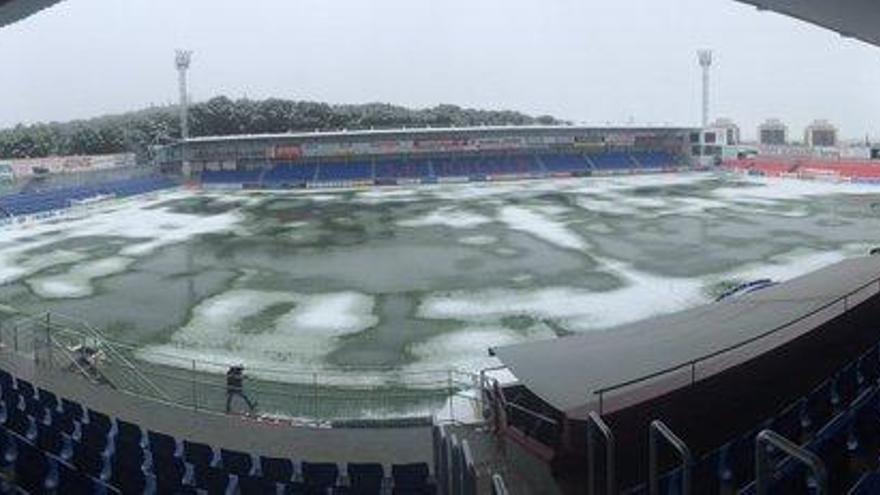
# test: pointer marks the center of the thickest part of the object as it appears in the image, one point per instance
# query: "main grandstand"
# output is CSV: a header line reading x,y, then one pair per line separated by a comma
x,y
408,156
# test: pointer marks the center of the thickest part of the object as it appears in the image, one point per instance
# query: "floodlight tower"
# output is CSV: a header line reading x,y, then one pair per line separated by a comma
x,y
181,61
705,58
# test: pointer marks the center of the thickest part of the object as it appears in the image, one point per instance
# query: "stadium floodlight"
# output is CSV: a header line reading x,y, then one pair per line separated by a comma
x,y
181,61
705,58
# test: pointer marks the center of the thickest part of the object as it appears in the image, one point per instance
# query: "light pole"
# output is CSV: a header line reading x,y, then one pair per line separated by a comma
x,y
181,61
705,58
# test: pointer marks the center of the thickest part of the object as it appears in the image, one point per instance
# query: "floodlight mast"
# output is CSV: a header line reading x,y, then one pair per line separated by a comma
x,y
705,58
181,61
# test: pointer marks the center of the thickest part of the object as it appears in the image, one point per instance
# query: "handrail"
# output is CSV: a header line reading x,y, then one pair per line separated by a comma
x,y
534,414
113,353
693,362
312,395
594,423
657,430
498,486
762,471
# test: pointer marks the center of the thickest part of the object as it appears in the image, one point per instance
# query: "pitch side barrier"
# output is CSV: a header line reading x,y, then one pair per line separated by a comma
x,y
321,397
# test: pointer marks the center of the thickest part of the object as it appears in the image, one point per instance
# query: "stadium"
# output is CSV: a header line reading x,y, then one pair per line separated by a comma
x,y
445,310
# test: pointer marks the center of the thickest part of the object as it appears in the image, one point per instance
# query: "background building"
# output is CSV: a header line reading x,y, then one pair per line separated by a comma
x,y
820,133
773,132
731,130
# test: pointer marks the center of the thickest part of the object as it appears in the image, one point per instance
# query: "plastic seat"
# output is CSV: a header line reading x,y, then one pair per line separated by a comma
x,y
72,409
869,484
256,485
49,439
73,482
276,469
214,480
6,381
19,422
869,367
161,445
198,454
818,406
411,478
95,435
788,422
47,399
128,434
365,478
236,462
25,389
845,387
99,421
130,479
319,476
169,474
706,474
88,460
31,468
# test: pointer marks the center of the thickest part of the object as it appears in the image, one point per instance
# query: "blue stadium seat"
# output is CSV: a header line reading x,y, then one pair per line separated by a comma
x,y
331,172
214,480
48,399
845,387
31,468
564,163
615,160
236,462
169,474
819,408
128,435
95,435
276,469
319,476
198,454
25,389
20,423
162,446
292,173
365,478
413,478
49,439
256,485
869,484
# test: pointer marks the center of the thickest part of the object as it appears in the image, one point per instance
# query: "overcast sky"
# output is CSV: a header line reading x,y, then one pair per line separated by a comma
x,y
590,61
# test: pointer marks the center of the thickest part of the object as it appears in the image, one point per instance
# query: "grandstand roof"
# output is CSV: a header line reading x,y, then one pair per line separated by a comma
x,y
567,372
425,131
851,18
12,11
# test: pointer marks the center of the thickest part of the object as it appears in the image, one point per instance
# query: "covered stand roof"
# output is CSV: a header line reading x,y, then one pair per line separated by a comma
x,y
12,11
667,352
852,18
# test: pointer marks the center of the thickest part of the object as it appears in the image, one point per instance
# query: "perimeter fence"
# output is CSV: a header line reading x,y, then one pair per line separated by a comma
x,y
321,397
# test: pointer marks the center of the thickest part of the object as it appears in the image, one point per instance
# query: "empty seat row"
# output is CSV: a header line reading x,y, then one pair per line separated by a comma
x,y
131,459
839,419
28,203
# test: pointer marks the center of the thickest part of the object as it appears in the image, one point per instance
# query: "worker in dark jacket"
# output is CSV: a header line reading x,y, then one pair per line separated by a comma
x,y
235,387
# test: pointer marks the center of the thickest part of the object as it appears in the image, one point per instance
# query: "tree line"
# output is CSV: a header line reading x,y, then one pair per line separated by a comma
x,y
138,131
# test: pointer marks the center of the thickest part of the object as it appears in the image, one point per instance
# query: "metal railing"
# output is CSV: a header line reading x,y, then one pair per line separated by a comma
x,y
595,423
763,471
692,364
340,396
659,431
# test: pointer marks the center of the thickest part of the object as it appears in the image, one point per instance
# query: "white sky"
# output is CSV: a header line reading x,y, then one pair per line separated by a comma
x,y
588,61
